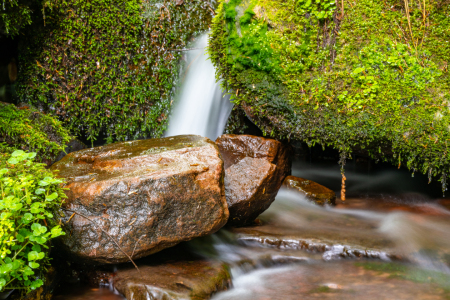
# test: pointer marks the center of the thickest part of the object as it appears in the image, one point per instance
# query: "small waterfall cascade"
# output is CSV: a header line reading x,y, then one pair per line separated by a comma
x,y
201,106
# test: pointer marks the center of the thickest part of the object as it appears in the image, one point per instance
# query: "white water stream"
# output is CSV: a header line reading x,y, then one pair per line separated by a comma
x,y
201,107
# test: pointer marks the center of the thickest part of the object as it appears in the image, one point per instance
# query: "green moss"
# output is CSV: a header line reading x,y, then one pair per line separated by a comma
x,y
364,77
16,14
108,66
28,129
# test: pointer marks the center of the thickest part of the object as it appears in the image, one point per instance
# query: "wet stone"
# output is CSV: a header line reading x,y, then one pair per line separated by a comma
x,y
313,191
175,275
247,187
145,195
255,169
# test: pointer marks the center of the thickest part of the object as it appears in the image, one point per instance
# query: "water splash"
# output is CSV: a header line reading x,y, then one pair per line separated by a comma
x,y
201,108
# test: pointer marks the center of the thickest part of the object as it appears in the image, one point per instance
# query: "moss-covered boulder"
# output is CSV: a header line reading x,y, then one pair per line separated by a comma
x,y
355,75
108,66
28,129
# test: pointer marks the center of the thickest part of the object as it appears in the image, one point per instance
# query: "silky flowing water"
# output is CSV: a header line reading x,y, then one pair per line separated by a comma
x,y
389,240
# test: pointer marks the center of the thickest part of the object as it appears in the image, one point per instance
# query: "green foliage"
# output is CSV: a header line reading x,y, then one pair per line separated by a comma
x,y
371,76
30,130
321,9
16,14
108,66
30,196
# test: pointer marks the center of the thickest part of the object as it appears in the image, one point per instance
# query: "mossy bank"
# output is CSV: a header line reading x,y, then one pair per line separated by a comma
x,y
355,75
108,67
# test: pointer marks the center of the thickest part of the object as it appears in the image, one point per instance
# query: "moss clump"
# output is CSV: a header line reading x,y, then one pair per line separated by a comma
x,y
108,66
16,14
27,129
368,75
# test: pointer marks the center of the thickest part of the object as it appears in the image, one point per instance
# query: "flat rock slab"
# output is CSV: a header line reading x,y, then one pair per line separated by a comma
x,y
255,169
147,195
313,191
178,276
338,280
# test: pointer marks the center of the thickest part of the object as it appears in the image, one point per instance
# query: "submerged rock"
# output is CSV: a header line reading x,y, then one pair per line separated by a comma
x,y
174,275
255,169
145,195
311,190
339,280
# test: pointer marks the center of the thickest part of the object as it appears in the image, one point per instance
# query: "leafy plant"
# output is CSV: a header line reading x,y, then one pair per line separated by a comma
x,y
30,196
322,9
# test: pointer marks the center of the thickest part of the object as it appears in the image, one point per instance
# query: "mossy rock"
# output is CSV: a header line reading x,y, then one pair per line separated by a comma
x,y
362,75
28,129
108,66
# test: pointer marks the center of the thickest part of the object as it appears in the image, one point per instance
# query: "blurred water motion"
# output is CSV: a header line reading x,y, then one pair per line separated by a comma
x,y
201,107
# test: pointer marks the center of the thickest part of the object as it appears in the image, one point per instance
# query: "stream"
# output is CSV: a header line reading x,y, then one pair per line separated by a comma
x,y
390,239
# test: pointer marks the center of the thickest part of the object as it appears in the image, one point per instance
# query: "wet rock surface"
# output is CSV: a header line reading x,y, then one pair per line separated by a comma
x,y
255,168
174,274
337,280
313,191
147,195
234,148
247,188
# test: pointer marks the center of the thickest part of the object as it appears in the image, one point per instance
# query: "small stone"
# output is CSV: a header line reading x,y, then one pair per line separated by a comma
x,y
311,190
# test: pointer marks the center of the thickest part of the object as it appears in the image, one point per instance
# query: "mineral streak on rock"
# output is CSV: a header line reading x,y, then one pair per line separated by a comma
x,y
311,190
147,195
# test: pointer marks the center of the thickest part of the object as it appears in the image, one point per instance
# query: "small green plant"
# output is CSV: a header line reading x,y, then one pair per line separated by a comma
x,y
322,9
30,195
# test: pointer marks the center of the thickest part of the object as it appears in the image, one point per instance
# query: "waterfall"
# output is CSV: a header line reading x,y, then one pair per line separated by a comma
x,y
201,107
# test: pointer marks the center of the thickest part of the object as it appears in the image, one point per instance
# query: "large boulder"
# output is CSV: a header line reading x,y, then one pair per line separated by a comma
x,y
255,169
145,195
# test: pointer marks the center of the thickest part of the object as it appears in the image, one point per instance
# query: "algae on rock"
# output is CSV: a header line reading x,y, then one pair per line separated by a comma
x,y
107,66
355,75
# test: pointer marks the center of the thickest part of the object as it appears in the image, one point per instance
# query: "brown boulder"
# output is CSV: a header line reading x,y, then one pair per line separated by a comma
x,y
255,169
311,190
147,195
234,148
248,186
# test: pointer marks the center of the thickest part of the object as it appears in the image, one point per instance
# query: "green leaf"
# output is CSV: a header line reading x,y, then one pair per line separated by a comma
x,y
39,191
17,153
52,196
13,161
32,255
33,265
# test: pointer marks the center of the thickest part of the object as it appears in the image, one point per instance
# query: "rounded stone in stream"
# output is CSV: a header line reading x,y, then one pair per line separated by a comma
x,y
311,190
182,276
255,169
147,195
